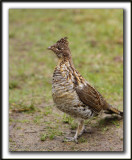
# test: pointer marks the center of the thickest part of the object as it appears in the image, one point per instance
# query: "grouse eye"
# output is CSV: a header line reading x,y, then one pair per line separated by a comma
x,y
59,48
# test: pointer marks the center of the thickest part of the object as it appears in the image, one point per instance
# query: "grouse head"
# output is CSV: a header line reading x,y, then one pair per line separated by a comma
x,y
61,48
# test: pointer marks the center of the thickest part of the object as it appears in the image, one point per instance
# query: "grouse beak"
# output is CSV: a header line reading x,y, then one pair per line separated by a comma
x,y
49,48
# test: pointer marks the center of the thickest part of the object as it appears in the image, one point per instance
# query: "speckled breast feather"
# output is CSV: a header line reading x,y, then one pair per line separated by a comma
x,y
64,93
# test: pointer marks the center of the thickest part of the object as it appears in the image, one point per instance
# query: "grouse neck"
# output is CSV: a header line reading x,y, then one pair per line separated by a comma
x,y
65,60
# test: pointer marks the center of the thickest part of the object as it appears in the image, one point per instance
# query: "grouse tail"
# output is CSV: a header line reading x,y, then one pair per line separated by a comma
x,y
112,110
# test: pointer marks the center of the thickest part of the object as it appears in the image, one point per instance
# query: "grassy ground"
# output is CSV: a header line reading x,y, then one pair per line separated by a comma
x,y
96,42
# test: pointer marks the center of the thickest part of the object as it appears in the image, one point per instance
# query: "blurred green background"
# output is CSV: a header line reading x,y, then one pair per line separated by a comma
x,y
96,43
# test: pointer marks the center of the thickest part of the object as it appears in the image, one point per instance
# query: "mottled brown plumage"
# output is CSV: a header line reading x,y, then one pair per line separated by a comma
x,y
71,93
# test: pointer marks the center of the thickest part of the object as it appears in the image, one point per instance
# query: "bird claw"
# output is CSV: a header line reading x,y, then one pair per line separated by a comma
x,y
70,139
83,131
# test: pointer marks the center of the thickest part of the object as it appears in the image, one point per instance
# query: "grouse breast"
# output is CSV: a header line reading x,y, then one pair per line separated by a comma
x,y
64,93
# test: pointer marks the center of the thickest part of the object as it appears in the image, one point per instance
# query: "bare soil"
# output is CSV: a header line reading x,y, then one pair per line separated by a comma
x,y
105,133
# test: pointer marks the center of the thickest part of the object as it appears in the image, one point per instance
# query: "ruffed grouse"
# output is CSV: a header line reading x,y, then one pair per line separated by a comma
x,y
71,93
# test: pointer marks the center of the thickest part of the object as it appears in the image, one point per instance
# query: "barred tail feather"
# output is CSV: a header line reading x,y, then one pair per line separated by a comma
x,y
111,110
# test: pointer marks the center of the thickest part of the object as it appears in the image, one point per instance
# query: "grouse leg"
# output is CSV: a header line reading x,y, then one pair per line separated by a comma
x,y
79,131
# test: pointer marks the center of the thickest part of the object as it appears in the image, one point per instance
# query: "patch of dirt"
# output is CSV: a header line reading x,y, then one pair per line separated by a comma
x,y
106,133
